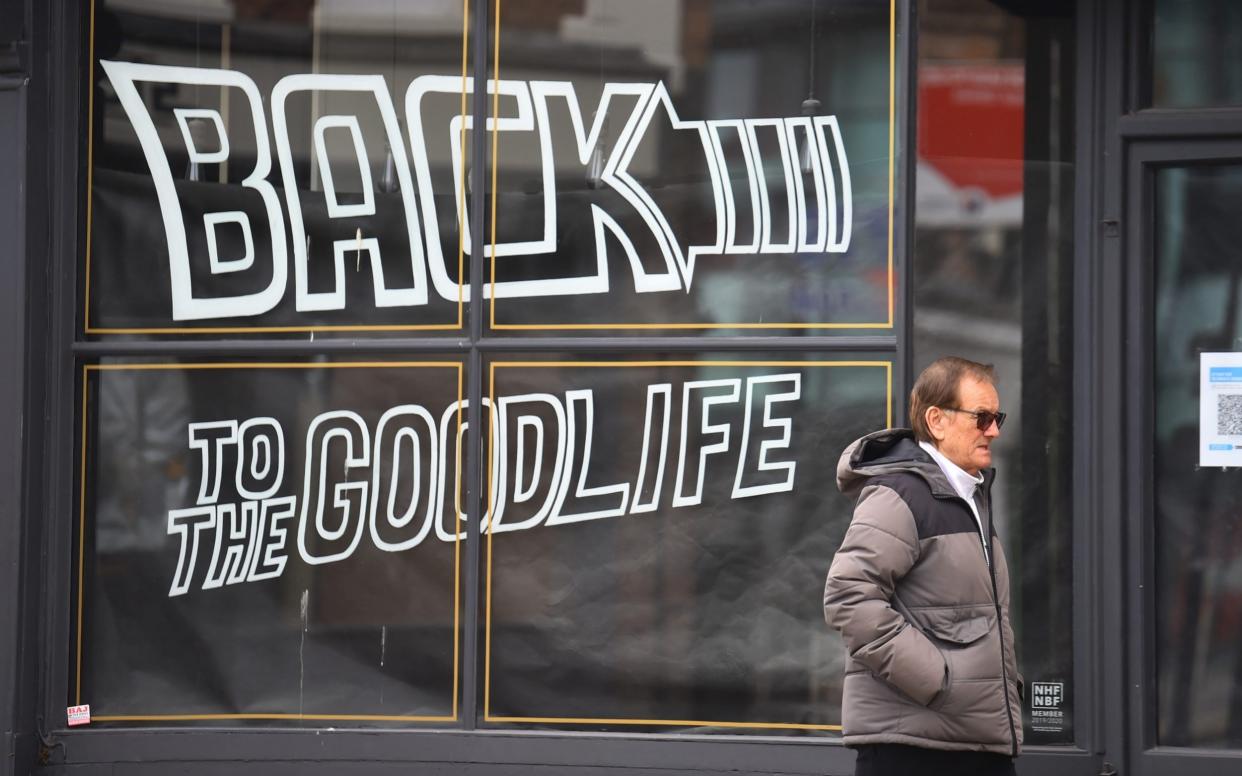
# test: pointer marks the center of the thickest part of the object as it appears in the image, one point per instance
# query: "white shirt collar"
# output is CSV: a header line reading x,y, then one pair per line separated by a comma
x,y
962,481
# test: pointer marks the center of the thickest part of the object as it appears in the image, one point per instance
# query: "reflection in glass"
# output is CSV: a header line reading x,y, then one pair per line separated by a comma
x,y
673,579
1194,57
992,271
268,543
700,164
1198,511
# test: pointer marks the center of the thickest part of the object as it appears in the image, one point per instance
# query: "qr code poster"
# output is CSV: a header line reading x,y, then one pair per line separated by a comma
x,y
1220,409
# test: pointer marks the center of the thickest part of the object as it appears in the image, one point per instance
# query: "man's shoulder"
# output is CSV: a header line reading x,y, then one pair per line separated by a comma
x,y
932,516
912,488
898,492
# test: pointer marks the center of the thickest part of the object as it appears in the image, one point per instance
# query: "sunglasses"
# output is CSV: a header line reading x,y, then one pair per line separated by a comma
x,y
983,418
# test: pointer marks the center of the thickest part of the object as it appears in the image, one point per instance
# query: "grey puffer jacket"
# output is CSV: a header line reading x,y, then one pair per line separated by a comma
x,y
924,617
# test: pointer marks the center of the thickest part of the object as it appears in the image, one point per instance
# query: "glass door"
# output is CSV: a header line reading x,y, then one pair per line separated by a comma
x,y
1184,465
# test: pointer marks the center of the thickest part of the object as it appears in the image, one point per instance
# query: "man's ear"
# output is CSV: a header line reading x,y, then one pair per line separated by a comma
x,y
935,419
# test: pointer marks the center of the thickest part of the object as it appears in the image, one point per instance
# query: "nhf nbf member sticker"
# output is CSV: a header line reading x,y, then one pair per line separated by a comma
x,y
1047,699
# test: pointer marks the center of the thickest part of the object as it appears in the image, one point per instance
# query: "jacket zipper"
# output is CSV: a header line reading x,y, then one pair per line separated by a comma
x,y
1000,629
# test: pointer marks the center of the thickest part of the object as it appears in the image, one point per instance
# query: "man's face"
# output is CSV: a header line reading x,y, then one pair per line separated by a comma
x,y
957,434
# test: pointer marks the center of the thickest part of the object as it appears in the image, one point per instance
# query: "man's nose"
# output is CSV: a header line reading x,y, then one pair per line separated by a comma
x,y
992,431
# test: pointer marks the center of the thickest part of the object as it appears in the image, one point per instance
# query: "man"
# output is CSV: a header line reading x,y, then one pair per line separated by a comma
x,y
919,594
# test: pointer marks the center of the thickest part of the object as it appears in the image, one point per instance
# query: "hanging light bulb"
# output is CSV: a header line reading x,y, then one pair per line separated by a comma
x,y
806,154
388,182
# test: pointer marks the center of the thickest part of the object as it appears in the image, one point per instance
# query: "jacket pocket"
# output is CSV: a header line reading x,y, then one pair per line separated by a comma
x,y
955,626
939,699
965,638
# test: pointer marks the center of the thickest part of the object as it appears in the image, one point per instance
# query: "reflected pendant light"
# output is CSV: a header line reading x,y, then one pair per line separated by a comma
x,y
388,182
595,168
810,106
599,155
197,127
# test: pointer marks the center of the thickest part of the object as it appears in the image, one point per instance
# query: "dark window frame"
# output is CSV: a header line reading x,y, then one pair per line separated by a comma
x,y
1145,158
1136,141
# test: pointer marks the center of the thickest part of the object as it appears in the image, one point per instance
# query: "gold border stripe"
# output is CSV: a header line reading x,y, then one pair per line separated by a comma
x,y
487,616
892,113
276,365
463,225
275,329
665,722
81,596
536,364
326,717
495,159
657,326
888,394
892,277
90,164
192,330
487,659
81,539
457,562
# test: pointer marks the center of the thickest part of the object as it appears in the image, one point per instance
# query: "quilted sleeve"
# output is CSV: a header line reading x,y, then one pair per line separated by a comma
x,y
879,548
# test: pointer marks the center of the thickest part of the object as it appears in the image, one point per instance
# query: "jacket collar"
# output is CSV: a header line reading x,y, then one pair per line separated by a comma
x,y
964,483
895,450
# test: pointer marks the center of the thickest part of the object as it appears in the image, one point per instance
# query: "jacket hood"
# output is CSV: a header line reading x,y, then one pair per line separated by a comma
x,y
888,451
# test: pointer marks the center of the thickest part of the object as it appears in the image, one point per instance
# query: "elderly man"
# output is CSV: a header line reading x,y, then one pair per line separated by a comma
x,y
920,588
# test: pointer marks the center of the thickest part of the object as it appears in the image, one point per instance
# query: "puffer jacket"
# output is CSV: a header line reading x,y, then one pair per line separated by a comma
x,y
924,616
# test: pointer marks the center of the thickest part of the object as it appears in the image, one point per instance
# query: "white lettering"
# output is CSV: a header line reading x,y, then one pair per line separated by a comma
x,y
529,108
546,461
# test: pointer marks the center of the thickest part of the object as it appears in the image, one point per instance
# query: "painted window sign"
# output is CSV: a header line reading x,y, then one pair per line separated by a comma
x,y
209,593
827,165
294,198
225,542
691,600
284,542
309,555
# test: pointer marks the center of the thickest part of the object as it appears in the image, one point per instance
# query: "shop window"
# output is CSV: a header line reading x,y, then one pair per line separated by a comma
x,y
991,281
291,165
720,167
263,542
281,541
675,580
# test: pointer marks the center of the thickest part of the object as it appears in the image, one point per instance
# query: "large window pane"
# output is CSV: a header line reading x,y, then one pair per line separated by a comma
x,y
269,542
723,165
661,533
1194,61
275,167
992,272
1198,510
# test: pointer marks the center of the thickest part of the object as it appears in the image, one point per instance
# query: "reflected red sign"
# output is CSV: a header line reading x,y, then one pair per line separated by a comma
x,y
970,125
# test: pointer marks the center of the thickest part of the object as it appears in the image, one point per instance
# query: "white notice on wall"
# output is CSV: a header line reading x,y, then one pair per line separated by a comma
x,y
1220,409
